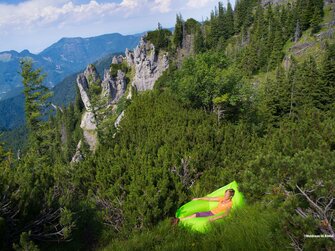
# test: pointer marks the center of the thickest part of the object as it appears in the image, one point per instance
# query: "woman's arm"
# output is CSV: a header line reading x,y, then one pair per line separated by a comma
x,y
208,198
216,218
220,216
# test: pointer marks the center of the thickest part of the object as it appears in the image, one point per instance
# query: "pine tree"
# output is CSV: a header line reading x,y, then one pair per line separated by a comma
x,y
229,24
243,14
238,16
327,87
292,80
316,20
306,11
277,53
36,104
215,31
297,33
259,37
221,19
290,22
199,45
278,96
308,84
179,31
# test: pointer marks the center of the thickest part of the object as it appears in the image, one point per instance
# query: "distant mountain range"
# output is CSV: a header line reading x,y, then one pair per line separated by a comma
x,y
12,109
67,56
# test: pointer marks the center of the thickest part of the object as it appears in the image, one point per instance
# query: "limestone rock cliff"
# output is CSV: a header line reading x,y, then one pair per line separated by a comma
x,y
88,121
78,157
113,88
98,97
149,65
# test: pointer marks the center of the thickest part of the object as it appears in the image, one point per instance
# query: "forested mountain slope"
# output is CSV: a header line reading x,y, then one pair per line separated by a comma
x,y
12,109
242,98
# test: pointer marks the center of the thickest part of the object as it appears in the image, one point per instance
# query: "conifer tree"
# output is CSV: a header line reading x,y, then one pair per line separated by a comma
x,y
215,31
278,96
229,24
308,85
277,54
199,45
327,87
289,21
179,31
36,104
316,20
221,22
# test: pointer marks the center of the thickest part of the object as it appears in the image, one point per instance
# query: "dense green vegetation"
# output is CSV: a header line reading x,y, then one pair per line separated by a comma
x,y
160,38
207,123
257,225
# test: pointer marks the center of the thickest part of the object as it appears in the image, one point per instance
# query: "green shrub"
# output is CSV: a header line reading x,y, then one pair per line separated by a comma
x,y
160,38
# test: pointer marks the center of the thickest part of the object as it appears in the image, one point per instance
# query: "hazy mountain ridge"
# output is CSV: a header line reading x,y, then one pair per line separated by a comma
x,y
12,109
65,57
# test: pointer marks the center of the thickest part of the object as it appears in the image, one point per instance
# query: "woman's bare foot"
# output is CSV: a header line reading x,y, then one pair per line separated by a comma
x,y
174,221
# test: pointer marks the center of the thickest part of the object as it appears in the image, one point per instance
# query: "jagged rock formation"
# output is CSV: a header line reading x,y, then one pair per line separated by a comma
x,y
118,120
113,88
117,60
78,157
88,121
148,64
186,50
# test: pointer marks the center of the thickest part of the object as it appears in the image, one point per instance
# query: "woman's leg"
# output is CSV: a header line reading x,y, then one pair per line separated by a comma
x,y
197,215
189,217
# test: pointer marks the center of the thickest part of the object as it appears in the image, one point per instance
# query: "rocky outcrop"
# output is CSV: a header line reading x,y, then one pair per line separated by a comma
x,y
83,90
300,48
267,2
149,65
117,60
78,157
91,74
88,121
113,88
118,120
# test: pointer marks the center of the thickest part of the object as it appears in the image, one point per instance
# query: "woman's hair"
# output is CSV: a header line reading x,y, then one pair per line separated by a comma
x,y
231,191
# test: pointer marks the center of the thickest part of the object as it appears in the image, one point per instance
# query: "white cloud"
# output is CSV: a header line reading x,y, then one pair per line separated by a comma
x,y
199,3
44,12
132,4
162,6
42,21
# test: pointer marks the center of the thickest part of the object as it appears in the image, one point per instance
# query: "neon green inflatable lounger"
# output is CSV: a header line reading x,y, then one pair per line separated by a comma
x,y
202,224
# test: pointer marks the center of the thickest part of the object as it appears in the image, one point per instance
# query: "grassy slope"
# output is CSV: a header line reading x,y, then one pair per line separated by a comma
x,y
252,228
299,51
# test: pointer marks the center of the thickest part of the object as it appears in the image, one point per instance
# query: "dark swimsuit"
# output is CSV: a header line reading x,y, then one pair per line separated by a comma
x,y
204,214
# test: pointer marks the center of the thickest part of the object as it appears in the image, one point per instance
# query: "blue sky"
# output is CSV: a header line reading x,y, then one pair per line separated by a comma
x,y
36,24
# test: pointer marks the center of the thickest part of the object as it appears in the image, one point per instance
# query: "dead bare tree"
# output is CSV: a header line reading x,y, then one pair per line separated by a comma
x,y
186,174
321,209
45,226
113,216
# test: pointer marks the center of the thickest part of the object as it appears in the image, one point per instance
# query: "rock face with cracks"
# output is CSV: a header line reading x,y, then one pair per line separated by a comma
x,y
88,121
149,65
113,88
110,90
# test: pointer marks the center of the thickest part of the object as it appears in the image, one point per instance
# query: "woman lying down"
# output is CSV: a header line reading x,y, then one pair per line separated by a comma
x,y
225,204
